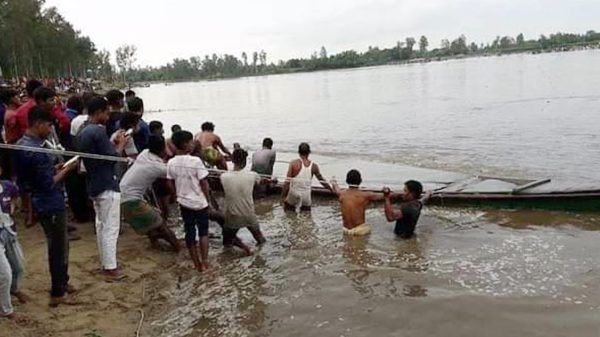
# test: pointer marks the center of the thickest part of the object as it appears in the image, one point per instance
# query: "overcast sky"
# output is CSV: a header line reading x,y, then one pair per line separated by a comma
x,y
165,29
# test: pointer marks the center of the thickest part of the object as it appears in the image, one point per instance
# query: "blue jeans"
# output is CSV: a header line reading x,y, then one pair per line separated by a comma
x,y
192,220
11,269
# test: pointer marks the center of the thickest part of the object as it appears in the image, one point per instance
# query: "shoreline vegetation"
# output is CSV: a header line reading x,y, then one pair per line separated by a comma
x,y
41,43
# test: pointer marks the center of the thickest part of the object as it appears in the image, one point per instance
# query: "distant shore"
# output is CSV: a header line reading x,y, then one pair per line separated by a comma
x,y
533,51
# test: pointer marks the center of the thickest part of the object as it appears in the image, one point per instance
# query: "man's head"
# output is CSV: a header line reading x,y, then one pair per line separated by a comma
x,y
129,94
31,86
208,127
175,128
129,120
40,122
412,190
353,178
239,157
97,108
9,97
115,99
267,143
135,104
156,128
183,141
75,102
156,145
44,98
304,150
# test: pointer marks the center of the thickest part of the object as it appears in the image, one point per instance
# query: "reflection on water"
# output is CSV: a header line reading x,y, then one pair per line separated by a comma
x,y
309,279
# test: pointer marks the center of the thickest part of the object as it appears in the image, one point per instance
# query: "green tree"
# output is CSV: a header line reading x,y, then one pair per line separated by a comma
x,y
423,44
520,40
125,56
323,53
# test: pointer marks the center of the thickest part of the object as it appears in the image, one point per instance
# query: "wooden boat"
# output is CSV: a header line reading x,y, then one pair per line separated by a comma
x,y
509,193
503,193
460,190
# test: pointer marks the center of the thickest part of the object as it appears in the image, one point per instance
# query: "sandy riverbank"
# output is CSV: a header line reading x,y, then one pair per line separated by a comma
x,y
106,309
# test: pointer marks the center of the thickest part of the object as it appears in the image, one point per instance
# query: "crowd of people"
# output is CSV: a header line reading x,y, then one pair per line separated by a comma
x,y
127,170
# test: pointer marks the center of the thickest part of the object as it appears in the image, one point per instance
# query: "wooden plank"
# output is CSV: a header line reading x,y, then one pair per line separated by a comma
x,y
522,188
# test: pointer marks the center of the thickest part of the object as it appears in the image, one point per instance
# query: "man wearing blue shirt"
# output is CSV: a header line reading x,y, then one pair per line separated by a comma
x,y
39,176
103,186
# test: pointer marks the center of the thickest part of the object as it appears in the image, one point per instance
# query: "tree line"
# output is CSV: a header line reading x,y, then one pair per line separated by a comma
x,y
410,49
37,42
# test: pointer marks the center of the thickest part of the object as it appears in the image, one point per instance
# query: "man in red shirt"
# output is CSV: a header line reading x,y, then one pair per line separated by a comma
x,y
16,128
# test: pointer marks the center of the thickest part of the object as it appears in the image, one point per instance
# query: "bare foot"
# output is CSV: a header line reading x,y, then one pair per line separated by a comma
x,y
63,300
22,297
113,275
70,289
20,320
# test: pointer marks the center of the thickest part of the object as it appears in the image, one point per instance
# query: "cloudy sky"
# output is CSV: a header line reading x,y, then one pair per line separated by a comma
x,y
165,29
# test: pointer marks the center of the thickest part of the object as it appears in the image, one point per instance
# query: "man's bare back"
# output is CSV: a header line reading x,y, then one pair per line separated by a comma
x,y
208,139
353,203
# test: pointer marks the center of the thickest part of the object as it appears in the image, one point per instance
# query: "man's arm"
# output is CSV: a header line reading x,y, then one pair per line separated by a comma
x,y
317,173
62,173
222,147
286,184
390,213
335,188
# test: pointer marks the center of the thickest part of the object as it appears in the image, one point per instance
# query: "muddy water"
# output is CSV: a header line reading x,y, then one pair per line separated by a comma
x,y
467,272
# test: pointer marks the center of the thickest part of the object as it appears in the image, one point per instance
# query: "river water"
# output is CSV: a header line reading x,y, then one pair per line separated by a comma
x,y
468,272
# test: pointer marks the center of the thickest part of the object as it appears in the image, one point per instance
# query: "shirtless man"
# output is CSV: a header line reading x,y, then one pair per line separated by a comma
x,y
211,147
297,187
353,203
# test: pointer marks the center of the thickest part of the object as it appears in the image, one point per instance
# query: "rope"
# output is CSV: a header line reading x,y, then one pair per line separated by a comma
x,y
214,173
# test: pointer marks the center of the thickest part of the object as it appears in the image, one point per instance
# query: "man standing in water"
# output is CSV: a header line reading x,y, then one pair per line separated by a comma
x,y
210,144
238,186
297,187
408,215
263,162
353,203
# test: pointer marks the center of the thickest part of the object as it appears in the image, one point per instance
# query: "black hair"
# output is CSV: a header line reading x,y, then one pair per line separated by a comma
x,y
135,104
129,120
268,143
130,93
353,178
114,97
180,138
175,128
7,94
155,126
414,187
75,102
87,96
96,104
31,86
38,115
156,144
239,156
43,94
304,149
208,126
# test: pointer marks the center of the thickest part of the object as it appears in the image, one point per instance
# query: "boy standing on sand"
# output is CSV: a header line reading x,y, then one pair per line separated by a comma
x,y
189,175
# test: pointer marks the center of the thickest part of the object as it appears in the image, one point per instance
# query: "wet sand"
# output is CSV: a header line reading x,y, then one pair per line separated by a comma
x,y
468,273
